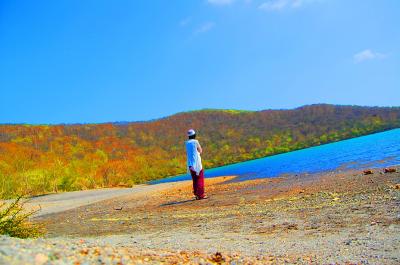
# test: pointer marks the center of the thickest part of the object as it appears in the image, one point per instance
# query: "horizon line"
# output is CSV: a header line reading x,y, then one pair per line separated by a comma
x,y
189,111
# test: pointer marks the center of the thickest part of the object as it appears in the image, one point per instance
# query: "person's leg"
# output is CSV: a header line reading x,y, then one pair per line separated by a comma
x,y
200,184
195,184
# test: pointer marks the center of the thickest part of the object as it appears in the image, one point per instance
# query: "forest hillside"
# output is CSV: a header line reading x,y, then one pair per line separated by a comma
x,y
37,159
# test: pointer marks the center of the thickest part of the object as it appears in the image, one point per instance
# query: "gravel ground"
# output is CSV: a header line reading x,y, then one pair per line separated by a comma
x,y
335,218
119,251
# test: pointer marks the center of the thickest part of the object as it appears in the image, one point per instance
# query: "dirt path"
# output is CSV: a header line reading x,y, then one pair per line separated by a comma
x,y
56,203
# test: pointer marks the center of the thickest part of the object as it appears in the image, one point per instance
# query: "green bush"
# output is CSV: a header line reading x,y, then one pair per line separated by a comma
x,y
14,221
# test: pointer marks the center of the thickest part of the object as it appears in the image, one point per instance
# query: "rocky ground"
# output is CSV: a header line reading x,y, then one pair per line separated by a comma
x,y
334,218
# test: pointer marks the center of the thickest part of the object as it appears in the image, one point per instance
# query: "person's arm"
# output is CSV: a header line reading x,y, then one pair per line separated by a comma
x,y
199,148
190,167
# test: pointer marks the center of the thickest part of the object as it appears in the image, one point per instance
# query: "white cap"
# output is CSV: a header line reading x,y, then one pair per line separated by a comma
x,y
191,132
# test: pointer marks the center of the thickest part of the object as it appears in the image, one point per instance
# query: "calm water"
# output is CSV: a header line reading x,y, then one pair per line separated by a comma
x,y
376,150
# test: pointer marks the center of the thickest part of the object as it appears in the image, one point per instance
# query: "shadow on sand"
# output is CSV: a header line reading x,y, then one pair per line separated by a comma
x,y
177,202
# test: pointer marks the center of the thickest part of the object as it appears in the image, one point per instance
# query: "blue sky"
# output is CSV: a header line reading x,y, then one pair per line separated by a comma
x,y
69,61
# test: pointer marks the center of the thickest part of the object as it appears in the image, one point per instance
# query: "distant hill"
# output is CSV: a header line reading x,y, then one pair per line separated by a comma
x,y
45,158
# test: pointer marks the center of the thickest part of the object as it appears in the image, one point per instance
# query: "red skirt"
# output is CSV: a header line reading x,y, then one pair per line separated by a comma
x,y
198,183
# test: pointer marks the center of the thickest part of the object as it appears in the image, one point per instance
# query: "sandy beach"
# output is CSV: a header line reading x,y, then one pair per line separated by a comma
x,y
333,218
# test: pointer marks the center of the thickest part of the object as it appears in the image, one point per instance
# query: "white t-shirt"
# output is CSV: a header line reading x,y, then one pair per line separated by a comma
x,y
193,156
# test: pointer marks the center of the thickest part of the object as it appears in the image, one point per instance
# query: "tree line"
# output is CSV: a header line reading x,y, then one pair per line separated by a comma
x,y
38,159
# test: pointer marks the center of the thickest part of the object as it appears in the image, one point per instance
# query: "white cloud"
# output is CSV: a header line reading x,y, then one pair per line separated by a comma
x,y
184,22
276,5
273,5
220,2
297,3
205,27
227,2
366,55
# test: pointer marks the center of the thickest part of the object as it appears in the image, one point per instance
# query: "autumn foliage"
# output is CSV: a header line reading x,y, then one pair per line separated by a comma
x,y
37,159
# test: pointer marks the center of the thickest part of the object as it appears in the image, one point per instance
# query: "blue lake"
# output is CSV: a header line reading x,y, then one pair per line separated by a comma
x,y
375,150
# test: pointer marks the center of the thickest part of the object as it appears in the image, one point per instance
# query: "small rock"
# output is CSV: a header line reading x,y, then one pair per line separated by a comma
x,y
118,208
292,227
218,258
84,251
41,259
389,170
368,172
97,252
54,256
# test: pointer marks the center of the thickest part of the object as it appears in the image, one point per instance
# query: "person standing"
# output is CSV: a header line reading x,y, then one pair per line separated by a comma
x,y
195,168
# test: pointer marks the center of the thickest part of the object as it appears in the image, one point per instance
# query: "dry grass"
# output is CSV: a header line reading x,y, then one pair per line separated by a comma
x,y
14,221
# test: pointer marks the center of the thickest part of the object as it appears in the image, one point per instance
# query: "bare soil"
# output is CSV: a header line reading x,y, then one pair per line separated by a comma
x,y
338,217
